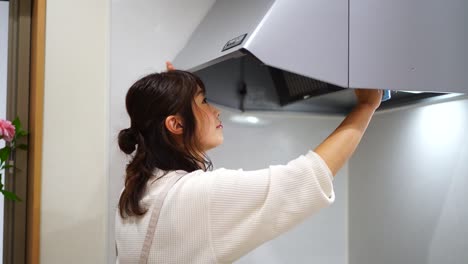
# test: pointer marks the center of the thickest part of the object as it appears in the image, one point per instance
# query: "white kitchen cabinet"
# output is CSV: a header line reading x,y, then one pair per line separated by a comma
x,y
419,45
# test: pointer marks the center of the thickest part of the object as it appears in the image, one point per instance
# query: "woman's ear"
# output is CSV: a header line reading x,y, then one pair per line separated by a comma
x,y
174,125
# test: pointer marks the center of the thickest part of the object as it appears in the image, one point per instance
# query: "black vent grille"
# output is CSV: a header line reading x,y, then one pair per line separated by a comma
x,y
293,87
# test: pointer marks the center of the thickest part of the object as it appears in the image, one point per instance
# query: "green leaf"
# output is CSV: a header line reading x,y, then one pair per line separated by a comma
x,y
10,195
22,146
5,153
21,133
17,124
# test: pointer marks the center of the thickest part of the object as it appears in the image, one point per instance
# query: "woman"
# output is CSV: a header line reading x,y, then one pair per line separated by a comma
x,y
213,216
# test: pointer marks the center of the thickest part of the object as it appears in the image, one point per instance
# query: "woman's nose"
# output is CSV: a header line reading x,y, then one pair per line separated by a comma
x,y
217,112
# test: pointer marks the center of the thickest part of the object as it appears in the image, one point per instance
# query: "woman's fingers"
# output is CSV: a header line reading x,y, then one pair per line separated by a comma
x,y
169,66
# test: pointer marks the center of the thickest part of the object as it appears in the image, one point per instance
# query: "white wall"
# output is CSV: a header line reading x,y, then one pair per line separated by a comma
x,y
408,187
4,10
75,157
279,138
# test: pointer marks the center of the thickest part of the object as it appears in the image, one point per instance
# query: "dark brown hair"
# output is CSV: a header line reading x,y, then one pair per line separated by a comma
x,y
149,101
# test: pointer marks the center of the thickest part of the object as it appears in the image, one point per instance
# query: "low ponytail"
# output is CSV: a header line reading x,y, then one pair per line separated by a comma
x,y
137,172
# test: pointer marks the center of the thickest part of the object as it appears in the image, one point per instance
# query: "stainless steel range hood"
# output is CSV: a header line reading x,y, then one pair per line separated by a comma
x,y
279,55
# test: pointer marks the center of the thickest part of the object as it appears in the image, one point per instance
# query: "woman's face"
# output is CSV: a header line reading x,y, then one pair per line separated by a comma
x,y
209,128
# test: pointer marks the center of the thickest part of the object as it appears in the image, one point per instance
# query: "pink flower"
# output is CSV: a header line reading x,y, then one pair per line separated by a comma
x,y
7,130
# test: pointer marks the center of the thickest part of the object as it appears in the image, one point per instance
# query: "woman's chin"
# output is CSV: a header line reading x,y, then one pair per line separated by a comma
x,y
215,144
220,140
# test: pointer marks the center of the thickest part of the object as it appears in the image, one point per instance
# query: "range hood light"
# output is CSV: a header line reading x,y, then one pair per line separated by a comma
x,y
245,119
252,119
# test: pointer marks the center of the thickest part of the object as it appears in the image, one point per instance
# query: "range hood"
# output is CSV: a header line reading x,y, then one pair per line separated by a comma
x,y
281,55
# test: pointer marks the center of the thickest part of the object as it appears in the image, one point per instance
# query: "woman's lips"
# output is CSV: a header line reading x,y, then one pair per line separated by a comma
x,y
220,126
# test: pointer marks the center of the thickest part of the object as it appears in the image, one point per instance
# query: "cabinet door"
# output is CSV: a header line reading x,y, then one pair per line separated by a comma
x,y
419,45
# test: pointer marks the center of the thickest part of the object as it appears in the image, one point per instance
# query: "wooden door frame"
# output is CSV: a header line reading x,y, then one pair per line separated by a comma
x,y
36,120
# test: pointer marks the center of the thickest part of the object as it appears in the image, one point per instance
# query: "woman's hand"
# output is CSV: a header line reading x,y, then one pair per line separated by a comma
x,y
369,97
169,66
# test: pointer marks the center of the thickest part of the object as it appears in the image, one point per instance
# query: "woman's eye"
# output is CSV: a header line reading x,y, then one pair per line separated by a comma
x,y
205,101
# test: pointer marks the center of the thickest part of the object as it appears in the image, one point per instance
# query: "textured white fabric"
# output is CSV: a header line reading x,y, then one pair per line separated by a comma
x,y
219,216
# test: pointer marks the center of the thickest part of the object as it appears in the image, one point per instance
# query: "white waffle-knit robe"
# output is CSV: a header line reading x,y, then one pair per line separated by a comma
x,y
221,215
